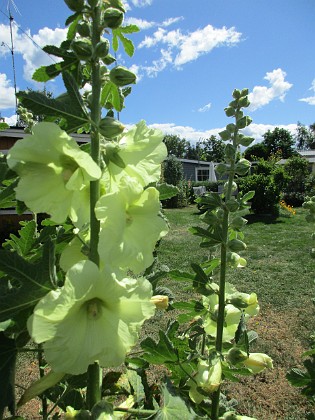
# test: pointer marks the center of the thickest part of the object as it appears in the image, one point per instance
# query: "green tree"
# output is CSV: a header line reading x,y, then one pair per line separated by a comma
x,y
213,149
305,137
255,152
279,140
175,145
173,173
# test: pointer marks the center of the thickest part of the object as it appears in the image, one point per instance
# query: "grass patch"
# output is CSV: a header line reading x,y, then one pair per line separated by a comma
x,y
281,272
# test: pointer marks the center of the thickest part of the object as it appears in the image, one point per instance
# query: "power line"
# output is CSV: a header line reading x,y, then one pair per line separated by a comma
x,y
28,36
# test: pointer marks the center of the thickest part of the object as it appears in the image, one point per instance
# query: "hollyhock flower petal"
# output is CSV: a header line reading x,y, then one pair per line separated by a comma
x,y
93,317
130,226
208,378
54,173
142,150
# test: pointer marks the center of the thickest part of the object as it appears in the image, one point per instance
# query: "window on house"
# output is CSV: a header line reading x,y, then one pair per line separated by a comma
x,y
202,174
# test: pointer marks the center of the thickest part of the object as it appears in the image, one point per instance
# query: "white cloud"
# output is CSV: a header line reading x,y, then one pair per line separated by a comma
x,y
141,3
11,121
7,94
262,95
33,56
205,108
184,48
145,24
310,99
193,135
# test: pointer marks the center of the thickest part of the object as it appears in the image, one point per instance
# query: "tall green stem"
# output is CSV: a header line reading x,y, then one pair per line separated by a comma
x,y
223,267
94,371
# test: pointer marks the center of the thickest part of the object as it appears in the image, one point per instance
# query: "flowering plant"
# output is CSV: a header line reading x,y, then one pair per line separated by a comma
x,y
82,285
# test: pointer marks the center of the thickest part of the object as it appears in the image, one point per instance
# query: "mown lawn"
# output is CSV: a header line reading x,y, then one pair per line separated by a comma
x,y
281,272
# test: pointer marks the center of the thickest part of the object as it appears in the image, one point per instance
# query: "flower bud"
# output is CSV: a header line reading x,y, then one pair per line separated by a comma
x,y
117,4
75,5
244,102
242,166
235,260
229,111
236,245
236,94
238,223
83,29
243,122
110,127
222,168
93,3
208,379
232,205
236,356
108,60
244,92
82,49
160,301
113,18
121,76
102,49
244,140
243,300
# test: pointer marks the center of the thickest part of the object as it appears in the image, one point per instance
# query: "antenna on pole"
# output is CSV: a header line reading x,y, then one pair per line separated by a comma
x,y
12,52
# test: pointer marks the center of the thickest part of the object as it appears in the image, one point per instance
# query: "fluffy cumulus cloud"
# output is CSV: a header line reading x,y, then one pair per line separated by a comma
x,y
310,99
263,95
181,48
193,135
7,94
29,46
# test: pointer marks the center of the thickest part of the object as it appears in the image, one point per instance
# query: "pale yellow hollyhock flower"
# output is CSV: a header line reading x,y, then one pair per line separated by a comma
x,y
208,378
142,151
130,226
231,415
54,173
93,317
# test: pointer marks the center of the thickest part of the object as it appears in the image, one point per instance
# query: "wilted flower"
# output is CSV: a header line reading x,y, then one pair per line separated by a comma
x,y
208,378
93,317
130,226
54,173
160,301
256,362
142,151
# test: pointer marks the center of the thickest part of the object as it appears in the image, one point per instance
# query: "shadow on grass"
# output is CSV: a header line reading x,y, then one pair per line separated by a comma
x,y
268,219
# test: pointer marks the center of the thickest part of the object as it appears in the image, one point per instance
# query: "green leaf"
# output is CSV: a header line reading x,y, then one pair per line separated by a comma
x,y
72,27
129,29
8,353
46,73
39,104
126,43
173,408
248,196
161,352
35,280
59,52
136,384
102,407
166,191
74,94
7,195
298,377
26,240
181,275
4,126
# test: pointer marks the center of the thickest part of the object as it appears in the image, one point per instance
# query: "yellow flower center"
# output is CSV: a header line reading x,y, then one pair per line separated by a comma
x,y
94,308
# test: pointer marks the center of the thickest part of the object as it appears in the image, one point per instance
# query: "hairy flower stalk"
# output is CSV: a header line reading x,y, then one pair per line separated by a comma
x,y
231,158
94,371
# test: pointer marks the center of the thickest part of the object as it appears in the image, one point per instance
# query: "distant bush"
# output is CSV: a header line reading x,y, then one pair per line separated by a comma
x,y
173,173
294,198
267,193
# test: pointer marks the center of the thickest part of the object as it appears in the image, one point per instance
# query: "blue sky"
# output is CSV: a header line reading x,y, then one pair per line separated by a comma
x,y
189,57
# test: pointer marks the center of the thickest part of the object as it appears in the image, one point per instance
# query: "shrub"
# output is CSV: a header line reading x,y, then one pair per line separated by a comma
x,y
267,193
173,173
294,198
